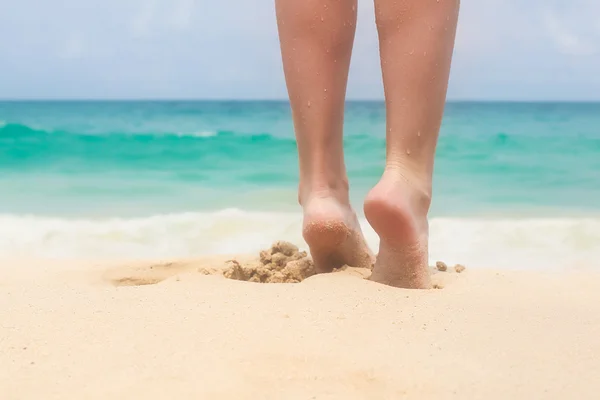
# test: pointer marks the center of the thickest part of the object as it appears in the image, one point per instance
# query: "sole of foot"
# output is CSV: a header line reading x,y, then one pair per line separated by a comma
x,y
398,214
334,236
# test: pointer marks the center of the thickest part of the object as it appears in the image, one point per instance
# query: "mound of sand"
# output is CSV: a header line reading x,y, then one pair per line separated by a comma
x,y
281,263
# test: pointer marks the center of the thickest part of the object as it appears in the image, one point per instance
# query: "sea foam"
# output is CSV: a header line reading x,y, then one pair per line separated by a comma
x,y
499,243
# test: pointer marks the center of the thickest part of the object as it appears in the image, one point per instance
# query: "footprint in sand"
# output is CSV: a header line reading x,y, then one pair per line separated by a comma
x,y
148,274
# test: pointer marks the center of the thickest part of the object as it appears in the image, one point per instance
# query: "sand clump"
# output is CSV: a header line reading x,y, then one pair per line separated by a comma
x,y
443,267
281,263
459,268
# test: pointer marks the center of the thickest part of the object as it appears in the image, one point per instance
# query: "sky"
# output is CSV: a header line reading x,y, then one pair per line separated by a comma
x,y
228,49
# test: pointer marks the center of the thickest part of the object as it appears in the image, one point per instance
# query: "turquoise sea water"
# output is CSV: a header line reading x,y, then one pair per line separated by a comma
x,y
121,158
137,162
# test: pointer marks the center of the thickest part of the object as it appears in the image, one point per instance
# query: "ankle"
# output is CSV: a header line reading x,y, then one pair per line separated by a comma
x,y
319,189
412,187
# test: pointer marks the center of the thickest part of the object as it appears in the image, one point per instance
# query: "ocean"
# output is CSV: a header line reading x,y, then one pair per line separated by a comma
x,y
517,185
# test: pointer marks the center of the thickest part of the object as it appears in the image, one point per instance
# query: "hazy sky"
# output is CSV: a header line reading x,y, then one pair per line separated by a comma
x,y
506,49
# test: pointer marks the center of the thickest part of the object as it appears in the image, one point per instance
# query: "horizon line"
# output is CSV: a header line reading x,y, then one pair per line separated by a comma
x,y
199,99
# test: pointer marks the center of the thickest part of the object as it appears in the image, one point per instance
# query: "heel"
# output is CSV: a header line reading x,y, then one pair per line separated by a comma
x,y
325,234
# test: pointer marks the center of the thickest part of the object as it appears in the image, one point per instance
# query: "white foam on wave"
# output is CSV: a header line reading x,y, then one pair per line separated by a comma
x,y
505,243
200,134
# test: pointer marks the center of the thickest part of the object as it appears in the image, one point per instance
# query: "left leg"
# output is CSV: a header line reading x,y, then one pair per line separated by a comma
x,y
316,44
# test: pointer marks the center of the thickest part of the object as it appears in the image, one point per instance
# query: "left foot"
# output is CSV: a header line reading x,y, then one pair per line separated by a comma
x,y
333,234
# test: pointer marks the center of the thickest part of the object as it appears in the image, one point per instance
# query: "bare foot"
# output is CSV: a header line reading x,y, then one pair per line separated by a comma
x,y
398,213
333,235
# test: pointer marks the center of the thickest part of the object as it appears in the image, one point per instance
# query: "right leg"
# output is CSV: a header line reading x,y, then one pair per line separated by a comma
x,y
316,44
416,39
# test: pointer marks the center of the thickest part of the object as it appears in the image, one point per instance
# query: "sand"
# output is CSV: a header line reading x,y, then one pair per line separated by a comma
x,y
179,329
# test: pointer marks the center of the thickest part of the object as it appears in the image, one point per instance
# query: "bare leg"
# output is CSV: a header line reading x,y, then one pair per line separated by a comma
x,y
316,43
416,40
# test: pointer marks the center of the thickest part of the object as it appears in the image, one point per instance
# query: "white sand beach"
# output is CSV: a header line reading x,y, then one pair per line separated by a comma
x,y
164,329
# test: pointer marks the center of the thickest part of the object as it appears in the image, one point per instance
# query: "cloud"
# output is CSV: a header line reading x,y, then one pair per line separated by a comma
x,y
566,39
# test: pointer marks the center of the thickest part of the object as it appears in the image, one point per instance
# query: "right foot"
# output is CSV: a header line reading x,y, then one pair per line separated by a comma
x,y
398,213
333,235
